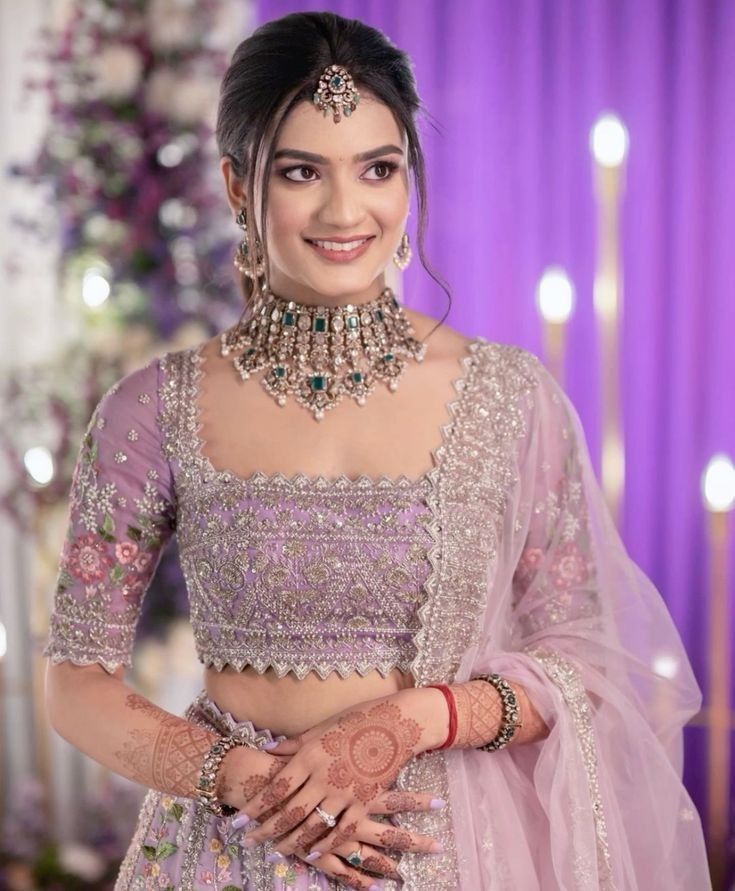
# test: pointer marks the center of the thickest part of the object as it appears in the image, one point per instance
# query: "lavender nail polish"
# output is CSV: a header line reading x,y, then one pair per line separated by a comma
x,y
437,803
374,887
240,820
271,744
275,857
313,856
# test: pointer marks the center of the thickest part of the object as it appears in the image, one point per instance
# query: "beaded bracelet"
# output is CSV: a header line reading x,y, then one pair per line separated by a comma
x,y
205,788
511,713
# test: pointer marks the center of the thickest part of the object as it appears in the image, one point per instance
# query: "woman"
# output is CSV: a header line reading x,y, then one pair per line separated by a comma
x,y
421,596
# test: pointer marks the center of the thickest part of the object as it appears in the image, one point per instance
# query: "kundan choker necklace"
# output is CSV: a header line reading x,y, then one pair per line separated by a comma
x,y
319,354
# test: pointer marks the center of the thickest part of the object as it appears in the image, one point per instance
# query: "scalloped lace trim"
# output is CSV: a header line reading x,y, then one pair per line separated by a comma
x,y
343,668
76,658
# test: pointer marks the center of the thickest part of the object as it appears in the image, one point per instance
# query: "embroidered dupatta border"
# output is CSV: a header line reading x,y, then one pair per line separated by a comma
x,y
468,501
567,678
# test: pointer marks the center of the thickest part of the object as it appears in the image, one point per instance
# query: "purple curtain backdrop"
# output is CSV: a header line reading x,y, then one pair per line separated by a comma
x,y
516,88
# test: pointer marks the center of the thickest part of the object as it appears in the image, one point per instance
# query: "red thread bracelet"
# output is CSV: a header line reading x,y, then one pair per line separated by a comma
x,y
449,696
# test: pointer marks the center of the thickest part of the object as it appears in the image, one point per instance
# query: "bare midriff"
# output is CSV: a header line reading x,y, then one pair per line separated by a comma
x,y
289,705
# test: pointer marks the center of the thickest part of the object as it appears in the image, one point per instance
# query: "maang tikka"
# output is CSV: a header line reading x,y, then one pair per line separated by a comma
x,y
319,354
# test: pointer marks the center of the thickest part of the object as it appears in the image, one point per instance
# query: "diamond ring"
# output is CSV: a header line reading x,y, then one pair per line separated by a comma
x,y
327,818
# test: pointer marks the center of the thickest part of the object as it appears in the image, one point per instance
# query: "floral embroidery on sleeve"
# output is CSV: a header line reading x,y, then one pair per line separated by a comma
x,y
121,513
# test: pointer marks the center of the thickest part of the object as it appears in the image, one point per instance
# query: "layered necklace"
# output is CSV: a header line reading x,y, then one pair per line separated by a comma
x,y
319,354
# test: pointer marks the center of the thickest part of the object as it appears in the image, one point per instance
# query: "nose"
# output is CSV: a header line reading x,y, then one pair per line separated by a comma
x,y
342,207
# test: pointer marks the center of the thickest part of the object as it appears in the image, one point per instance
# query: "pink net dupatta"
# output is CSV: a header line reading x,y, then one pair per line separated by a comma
x,y
599,803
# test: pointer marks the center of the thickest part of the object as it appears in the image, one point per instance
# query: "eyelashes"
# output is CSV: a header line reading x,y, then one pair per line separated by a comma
x,y
392,167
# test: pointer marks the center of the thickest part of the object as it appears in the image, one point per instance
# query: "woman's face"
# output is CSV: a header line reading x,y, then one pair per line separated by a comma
x,y
319,188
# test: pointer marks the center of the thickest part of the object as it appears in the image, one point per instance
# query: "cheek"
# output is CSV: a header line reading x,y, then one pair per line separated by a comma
x,y
390,207
286,216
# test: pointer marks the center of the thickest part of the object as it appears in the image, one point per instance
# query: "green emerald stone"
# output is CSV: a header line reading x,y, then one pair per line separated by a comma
x,y
249,351
378,314
352,321
320,324
347,111
279,371
356,376
395,302
318,382
388,357
289,319
335,82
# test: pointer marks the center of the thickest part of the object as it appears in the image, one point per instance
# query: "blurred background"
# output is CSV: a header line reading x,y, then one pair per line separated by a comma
x,y
581,168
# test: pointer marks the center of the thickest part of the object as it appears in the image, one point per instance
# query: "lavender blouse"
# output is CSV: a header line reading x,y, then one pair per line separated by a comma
x,y
295,574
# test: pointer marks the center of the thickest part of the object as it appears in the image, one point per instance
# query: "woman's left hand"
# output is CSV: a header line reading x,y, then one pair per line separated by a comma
x,y
342,765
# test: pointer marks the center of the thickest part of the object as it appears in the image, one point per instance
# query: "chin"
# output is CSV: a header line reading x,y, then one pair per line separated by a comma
x,y
342,285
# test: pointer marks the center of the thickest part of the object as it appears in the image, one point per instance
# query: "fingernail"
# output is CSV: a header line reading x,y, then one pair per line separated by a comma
x,y
271,744
436,847
250,842
374,888
313,856
240,820
437,803
274,857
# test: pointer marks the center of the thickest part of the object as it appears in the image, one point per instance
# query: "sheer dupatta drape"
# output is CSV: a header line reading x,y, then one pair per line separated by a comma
x,y
599,803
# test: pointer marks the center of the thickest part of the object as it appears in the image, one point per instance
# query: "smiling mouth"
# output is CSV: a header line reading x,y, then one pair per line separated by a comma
x,y
339,246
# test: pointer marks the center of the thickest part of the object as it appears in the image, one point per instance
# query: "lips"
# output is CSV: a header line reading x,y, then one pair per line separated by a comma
x,y
341,255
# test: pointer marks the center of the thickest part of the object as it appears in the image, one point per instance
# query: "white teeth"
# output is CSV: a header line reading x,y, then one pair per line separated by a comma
x,y
336,246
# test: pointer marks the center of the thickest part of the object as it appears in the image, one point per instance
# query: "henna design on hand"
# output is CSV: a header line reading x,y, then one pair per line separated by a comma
x,y
479,713
368,748
395,838
277,792
256,782
345,834
309,834
288,819
380,864
401,801
170,758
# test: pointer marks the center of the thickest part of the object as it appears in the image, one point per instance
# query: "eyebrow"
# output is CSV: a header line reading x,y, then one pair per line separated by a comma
x,y
320,159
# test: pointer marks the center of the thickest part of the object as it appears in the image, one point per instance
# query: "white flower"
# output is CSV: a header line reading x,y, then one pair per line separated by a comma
x,y
170,24
116,72
184,98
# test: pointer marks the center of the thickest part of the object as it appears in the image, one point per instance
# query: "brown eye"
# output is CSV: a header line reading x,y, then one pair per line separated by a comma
x,y
300,169
389,166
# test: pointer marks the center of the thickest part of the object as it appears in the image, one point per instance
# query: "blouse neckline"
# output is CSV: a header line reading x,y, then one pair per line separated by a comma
x,y
299,480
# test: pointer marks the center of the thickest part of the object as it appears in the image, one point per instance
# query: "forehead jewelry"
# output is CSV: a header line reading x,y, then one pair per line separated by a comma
x,y
336,90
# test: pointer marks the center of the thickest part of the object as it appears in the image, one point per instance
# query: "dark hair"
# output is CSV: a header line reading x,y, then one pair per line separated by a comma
x,y
279,66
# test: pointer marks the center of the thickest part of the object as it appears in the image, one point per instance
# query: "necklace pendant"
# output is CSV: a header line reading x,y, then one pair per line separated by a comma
x,y
319,354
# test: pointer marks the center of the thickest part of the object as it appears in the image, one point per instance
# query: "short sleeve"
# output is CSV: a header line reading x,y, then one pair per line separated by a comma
x,y
122,512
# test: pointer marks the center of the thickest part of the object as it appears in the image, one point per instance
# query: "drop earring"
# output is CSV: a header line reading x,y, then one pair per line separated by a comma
x,y
242,255
402,256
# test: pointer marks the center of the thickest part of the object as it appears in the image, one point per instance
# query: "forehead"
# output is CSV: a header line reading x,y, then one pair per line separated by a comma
x,y
370,125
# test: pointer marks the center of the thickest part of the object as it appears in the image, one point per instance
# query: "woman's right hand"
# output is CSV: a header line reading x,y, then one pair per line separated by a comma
x,y
245,771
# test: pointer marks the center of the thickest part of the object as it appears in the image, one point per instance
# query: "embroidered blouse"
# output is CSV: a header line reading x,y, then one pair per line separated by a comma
x,y
293,573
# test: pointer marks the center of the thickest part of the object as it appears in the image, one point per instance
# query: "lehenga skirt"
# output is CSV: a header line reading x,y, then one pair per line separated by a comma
x,y
178,845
